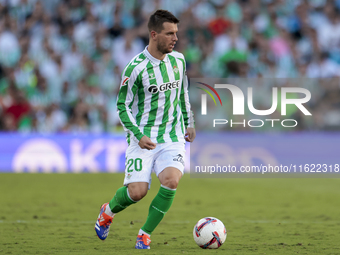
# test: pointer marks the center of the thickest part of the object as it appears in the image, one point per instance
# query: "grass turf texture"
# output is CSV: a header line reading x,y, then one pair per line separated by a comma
x,y
56,213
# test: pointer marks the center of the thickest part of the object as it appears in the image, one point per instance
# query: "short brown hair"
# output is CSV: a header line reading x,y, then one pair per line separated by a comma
x,y
157,19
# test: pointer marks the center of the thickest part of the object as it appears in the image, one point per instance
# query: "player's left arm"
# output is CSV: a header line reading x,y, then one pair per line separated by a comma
x,y
188,115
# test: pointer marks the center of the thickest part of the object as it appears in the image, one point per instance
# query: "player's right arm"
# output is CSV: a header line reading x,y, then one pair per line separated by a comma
x,y
126,95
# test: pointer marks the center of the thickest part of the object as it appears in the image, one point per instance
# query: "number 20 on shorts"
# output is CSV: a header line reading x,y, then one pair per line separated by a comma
x,y
134,164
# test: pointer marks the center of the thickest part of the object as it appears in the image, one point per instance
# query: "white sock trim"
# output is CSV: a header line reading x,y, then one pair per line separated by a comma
x,y
165,187
108,211
141,232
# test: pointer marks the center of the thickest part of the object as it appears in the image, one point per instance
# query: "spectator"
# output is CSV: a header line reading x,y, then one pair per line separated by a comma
x,y
61,61
17,110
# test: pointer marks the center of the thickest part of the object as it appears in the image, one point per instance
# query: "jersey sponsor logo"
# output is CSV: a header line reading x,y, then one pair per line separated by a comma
x,y
169,86
125,81
153,89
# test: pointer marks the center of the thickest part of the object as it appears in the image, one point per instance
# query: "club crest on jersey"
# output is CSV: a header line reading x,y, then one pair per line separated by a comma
x,y
153,89
125,81
176,70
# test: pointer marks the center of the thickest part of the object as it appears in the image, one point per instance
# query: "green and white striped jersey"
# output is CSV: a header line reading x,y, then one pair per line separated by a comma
x,y
153,99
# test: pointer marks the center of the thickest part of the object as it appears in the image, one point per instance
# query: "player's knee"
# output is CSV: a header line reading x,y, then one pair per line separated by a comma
x,y
171,183
137,194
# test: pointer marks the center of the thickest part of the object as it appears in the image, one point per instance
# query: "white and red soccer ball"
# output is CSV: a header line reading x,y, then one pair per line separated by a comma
x,y
209,233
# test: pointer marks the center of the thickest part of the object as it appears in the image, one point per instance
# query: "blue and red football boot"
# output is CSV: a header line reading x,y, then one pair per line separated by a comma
x,y
143,242
103,223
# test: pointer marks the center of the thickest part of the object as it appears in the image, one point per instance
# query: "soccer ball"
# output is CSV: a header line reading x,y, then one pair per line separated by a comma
x,y
209,233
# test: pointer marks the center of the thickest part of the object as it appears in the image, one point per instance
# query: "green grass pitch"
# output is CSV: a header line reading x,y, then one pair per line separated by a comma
x,y
56,213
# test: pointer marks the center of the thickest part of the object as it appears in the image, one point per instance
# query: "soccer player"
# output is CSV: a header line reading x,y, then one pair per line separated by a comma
x,y
153,106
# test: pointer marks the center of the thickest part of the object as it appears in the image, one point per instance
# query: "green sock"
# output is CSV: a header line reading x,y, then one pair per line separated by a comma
x,y
120,200
158,208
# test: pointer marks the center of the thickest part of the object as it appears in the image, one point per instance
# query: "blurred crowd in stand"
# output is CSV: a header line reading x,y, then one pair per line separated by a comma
x,y
61,61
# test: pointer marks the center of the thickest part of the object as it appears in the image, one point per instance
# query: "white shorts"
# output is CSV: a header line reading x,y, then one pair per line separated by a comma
x,y
139,162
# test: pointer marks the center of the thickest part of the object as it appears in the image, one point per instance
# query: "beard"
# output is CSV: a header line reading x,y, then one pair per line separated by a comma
x,y
162,48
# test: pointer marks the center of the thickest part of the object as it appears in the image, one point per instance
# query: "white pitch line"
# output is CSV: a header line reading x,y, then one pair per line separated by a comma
x,y
168,222
72,222
286,222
